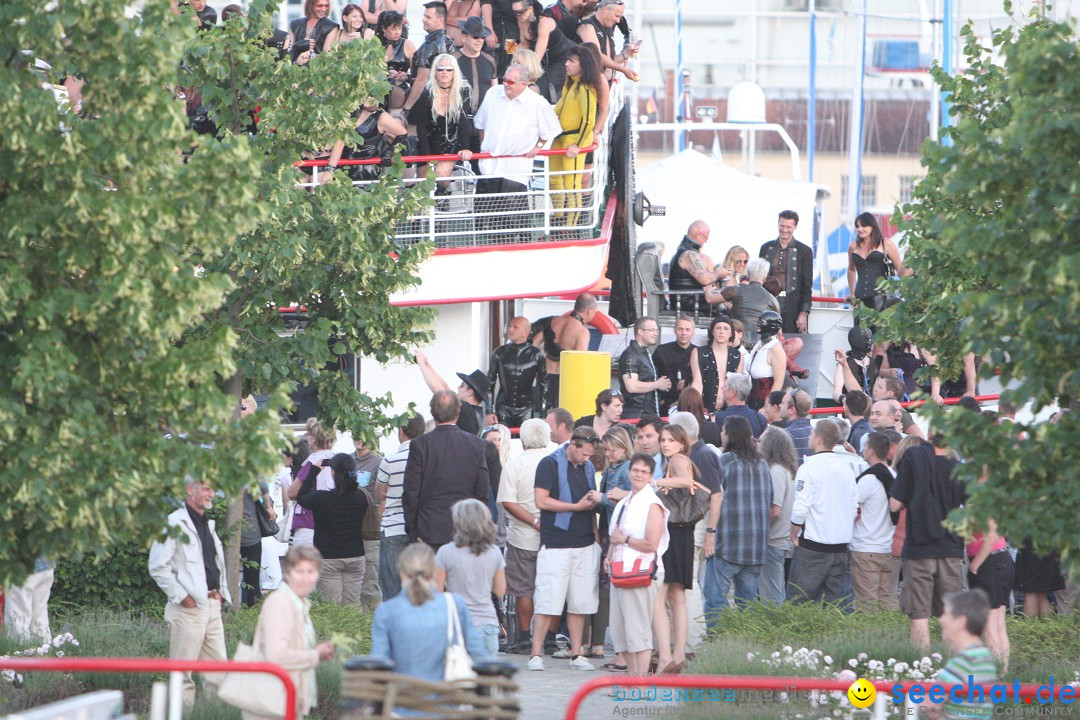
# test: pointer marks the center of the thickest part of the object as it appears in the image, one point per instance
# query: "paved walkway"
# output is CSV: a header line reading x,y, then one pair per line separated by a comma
x,y
545,695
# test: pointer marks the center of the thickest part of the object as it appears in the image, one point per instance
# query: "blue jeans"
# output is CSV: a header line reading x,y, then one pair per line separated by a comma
x,y
390,549
771,585
490,635
719,577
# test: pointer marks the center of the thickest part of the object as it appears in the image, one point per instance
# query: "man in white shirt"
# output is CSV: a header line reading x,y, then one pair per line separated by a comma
x,y
822,520
389,482
516,495
516,122
874,571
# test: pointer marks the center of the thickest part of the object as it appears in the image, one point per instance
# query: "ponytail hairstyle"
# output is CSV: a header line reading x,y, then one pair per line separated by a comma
x,y
417,566
343,467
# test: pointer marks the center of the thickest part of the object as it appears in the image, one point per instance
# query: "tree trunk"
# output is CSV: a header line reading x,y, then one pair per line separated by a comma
x,y
235,514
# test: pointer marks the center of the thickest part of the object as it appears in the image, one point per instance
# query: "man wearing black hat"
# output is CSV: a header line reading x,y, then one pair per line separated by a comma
x,y
476,66
436,43
472,391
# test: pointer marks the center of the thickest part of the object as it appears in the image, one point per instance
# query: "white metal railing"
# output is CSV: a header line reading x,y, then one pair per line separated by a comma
x,y
460,216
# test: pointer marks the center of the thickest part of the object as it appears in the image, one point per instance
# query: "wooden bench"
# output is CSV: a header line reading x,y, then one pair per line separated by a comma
x,y
371,689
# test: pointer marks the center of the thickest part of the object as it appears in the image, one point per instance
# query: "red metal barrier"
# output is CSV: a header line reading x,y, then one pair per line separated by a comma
x,y
744,682
151,665
909,404
435,158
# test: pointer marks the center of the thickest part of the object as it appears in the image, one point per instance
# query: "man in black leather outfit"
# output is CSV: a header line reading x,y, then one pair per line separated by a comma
x,y
520,370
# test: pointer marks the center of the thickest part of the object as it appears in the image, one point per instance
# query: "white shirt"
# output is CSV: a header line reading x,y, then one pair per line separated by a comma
x,y
873,528
513,127
826,499
517,484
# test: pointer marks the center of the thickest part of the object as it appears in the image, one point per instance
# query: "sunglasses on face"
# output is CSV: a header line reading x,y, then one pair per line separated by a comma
x,y
444,69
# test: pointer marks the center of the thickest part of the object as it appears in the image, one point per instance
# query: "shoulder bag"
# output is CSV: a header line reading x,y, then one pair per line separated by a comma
x,y
267,527
458,665
639,573
687,505
257,693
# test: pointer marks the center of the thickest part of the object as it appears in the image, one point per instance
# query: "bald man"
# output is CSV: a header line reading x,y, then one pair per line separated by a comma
x,y
885,415
691,269
518,375
566,332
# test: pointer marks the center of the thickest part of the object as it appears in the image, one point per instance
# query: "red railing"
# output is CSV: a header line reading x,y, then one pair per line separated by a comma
x,y
742,682
153,665
322,162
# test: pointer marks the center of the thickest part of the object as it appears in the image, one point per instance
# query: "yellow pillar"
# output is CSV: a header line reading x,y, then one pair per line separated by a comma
x,y
582,375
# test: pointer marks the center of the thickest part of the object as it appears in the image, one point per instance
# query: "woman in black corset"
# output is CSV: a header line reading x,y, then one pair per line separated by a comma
x,y
316,26
399,54
376,133
711,363
871,257
540,34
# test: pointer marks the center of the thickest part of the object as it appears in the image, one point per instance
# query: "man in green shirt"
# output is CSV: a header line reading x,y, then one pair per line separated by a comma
x,y
972,663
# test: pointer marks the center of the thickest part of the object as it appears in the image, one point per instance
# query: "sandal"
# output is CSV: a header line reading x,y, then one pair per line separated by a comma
x,y
614,666
596,652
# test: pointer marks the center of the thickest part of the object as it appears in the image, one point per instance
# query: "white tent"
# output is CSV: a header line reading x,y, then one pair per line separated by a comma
x,y
740,209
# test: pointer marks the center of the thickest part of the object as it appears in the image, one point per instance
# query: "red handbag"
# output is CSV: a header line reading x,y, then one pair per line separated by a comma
x,y
633,575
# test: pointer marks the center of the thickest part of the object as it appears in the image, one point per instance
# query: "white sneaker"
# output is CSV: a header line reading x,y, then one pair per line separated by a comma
x,y
535,663
580,663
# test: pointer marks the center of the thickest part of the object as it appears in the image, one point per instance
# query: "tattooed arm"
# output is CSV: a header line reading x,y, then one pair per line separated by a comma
x,y
691,262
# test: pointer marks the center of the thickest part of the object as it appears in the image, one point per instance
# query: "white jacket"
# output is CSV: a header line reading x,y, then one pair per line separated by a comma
x,y
826,499
177,566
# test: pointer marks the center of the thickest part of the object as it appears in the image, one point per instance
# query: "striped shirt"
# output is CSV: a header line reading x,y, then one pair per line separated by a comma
x,y
974,664
800,429
392,475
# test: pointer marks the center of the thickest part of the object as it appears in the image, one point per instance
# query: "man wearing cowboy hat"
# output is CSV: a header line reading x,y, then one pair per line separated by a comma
x,y
476,66
471,392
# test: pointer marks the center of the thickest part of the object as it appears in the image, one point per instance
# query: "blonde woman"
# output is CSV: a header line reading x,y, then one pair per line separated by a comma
x,y
319,442
735,262
410,628
284,633
528,60
442,125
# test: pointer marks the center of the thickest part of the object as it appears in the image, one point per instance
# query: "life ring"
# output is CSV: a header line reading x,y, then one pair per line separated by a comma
x,y
603,323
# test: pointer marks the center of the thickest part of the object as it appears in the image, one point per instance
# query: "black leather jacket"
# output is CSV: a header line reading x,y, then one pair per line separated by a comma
x,y
522,381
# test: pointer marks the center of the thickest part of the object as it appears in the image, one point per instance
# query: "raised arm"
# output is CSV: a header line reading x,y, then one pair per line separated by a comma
x,y
433,379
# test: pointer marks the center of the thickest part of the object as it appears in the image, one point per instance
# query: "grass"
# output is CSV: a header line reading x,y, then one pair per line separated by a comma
x,y
116,633
1041,649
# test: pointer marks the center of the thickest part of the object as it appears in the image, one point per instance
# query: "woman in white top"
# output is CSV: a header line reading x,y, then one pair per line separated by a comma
x,y
768,362
639,529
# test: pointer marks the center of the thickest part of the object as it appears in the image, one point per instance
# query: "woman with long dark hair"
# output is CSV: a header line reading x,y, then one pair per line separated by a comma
x,y
353,26
737,536
399,55
577,112
871,257
339,513
679,472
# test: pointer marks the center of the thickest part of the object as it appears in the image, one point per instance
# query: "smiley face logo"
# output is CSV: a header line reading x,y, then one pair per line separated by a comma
x,y
861,693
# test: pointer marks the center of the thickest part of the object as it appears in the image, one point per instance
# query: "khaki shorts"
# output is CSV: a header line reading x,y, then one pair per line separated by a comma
x,y
570,576
520,571
926,582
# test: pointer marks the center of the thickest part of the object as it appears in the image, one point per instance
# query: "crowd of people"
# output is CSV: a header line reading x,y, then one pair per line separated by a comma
x,y
506,77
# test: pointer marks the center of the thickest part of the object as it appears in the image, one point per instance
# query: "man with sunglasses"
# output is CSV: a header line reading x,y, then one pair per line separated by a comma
x,y
476,65
514,124
436,43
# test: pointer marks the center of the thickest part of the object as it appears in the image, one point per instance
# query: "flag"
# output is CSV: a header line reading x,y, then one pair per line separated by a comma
x,y
651,106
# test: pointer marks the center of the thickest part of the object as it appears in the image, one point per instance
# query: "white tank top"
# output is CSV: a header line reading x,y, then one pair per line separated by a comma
x,y
759,359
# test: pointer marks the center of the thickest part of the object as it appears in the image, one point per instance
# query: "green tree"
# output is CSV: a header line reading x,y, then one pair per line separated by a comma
x,y
139,290
993,235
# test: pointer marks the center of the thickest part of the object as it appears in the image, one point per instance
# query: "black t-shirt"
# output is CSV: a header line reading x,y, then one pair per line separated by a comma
x,y
470,418
503,18
924,483
673,362
580,533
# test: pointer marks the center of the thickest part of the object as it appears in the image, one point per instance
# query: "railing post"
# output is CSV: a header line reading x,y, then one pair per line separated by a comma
x,y
159,699
545,195
176,695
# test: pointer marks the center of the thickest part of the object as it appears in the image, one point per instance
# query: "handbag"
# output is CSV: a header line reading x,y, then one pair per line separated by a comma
x,y
458,665
257,693
634,575
267,527
285,528
687,505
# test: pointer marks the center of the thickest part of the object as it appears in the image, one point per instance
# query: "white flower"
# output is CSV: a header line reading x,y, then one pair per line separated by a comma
x,y
776,656
862,657
846,675
890,661
749,657
828,660
899,667
853,663
936,656
787,649
59,653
